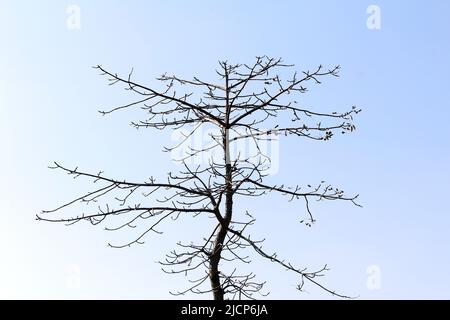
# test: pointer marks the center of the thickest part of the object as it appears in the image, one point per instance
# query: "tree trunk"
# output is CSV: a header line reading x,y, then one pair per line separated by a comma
x,y
218,291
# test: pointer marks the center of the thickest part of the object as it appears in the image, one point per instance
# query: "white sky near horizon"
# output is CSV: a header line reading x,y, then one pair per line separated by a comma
x,y
397,160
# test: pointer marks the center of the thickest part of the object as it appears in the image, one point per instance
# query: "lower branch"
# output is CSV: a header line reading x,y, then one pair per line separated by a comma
x,y
309,276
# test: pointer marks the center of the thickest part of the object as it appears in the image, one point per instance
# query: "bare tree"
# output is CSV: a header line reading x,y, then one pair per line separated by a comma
x,y
248,97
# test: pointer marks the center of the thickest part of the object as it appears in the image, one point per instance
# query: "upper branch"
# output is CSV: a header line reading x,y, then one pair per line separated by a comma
x,y
294,85
166,98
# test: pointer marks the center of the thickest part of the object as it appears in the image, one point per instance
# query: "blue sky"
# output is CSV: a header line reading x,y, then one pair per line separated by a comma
x,y
397,160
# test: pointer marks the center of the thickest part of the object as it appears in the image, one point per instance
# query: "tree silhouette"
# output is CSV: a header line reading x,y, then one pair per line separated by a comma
x,y
248,97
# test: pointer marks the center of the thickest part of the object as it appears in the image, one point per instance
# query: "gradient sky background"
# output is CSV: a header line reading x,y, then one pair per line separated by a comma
x,y
397,160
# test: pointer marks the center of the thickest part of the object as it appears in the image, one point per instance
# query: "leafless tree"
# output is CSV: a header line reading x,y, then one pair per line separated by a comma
x,y
247,97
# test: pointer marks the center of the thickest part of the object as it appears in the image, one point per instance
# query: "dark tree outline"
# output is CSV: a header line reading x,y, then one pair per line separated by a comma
x,y
212,189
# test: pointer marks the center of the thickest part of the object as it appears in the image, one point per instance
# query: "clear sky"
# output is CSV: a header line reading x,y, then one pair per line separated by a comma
x,y
397,160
